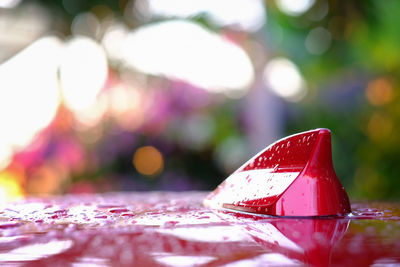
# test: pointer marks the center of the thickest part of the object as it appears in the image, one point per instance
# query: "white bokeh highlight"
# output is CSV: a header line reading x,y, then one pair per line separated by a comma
x,y
29,95
294,7
283,77
185,51
83,72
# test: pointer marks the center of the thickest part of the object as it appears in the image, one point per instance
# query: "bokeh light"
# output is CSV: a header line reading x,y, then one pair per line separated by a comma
x,y
231,153
10,189
83,72
246,15
284,79
85,24
318,41
28,104
379,92
92,115
148,161
113,41
43,181
126,106
196,131
184,50
294,7
9,3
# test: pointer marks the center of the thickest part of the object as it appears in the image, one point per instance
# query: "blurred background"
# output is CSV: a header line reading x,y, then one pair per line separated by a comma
x,y
110,95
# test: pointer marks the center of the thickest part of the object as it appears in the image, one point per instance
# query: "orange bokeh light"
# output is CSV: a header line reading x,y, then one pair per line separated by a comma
x,y
379,92
148,161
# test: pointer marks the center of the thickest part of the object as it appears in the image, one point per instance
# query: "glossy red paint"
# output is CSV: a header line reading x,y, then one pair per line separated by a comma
x,y
292,177
175,229
312,240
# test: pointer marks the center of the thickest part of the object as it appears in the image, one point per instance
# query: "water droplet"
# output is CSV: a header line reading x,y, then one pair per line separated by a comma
x,y
118,210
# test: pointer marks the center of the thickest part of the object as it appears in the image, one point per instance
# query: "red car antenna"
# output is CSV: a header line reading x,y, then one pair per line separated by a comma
x,y
292,177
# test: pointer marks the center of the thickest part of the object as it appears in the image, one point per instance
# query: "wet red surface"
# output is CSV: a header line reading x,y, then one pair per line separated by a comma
x,y
292,177
174,229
